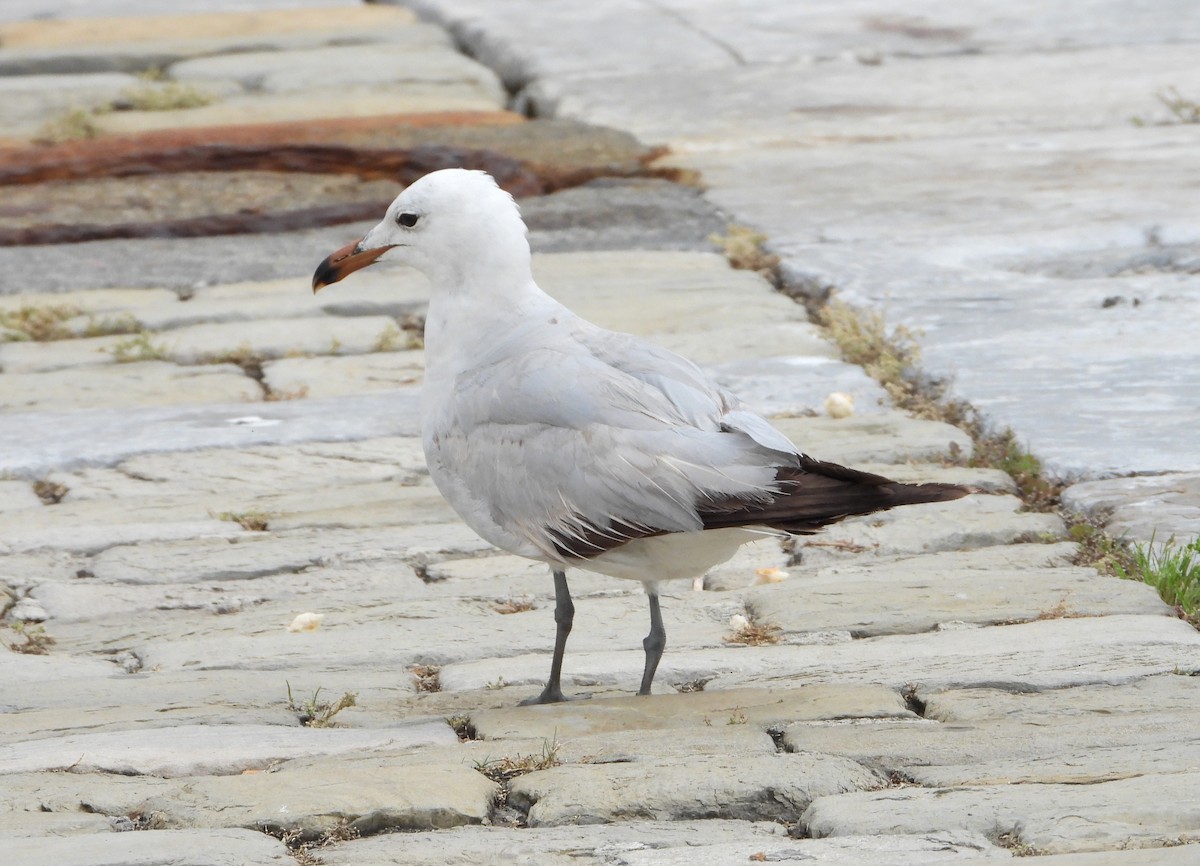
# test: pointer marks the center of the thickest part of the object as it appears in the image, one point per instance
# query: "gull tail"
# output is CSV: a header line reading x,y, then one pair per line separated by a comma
x,y
815,494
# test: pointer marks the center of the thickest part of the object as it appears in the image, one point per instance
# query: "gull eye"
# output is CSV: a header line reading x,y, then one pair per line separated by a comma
x,y
408,220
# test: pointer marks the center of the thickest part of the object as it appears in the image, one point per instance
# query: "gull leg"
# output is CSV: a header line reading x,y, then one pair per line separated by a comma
x,y
564,617
654,645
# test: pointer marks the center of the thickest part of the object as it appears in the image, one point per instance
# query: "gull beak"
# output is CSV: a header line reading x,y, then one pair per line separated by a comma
x,y
343,262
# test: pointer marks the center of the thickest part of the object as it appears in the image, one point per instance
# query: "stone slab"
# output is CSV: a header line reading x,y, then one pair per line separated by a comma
x,y
247,471
921,593
926,849
1143,812
33,824
1038,655
97,437
761,708
359,101
976,521
19,671
315,797
80,699
581,845
193,848
1168,694
336,376
275,338
1044,740
888,438
775,787
1141,508
194,750
144,383
212,19
27,102
18,496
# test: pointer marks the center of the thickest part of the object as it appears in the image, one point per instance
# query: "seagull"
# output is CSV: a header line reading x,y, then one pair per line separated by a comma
x,y
560,441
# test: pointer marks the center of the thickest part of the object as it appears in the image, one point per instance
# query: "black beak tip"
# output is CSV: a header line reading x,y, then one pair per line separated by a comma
x,y
324,275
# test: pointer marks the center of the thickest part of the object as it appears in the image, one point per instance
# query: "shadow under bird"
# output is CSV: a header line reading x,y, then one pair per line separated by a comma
x,y
563,442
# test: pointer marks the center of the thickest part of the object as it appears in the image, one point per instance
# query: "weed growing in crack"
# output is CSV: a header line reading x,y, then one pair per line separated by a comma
x,y
304,852
36,322
514,605
273,396
139,347
1097,549
743,247
749,632
504,770
124,323
251,521
461,725
50,492
1012,841
1174,570
428,677
315,713
76,124
1183,109
154,94
37,642
892,357
243,356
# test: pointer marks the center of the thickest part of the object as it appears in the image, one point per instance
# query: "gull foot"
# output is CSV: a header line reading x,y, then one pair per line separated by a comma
x,y
551,696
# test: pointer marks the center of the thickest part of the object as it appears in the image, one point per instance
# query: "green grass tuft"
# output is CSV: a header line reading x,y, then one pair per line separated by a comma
x,y
1174,570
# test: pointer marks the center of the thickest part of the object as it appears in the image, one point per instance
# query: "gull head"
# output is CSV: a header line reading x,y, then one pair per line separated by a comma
x,y
451,224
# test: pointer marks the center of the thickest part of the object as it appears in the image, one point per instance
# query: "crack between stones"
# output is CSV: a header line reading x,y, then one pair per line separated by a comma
x,y
733,53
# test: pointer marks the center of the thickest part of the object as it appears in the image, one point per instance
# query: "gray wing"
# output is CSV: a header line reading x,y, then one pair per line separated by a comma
x,y
586,442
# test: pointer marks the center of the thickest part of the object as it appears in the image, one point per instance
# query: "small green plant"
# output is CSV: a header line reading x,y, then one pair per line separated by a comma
x,y
37,642
1002,451
315,713
891,357
154,94
37,322
252,521
461,725
1172,569
737,717
139,347
1098,549
78,124
1184,110
125,323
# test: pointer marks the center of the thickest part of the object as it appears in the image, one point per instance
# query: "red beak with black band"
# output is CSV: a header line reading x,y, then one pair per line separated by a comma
x,y
343,262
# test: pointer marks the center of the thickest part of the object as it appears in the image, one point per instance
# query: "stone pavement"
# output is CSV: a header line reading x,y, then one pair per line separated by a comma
x,y
196,451
1001,177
